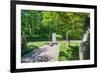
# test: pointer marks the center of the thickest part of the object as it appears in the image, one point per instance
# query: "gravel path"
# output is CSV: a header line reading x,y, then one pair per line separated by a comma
x,y
43,54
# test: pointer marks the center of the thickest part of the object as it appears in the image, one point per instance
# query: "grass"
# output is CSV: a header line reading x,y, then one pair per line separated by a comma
x,y
36,44
68,52
64,45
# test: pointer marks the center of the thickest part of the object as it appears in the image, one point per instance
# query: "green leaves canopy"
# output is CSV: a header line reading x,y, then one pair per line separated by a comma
x,y
43,23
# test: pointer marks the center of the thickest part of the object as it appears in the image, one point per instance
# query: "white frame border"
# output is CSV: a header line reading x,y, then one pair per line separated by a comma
x,y
20,65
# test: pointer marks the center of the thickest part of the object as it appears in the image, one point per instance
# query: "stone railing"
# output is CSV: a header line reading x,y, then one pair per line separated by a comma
x,y
84,49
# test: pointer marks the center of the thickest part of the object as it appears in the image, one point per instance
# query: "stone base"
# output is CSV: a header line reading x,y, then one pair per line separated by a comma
x,y
53,43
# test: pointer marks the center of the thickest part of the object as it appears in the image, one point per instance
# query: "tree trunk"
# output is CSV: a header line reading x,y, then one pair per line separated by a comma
x,y
23,41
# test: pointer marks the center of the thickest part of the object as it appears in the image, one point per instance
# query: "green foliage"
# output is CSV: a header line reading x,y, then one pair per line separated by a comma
x,y
68,53
30,22
59,37
43,23
39,25
25,51
76,34
38,44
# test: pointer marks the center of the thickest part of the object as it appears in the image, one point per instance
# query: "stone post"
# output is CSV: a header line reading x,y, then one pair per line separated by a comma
x,y
54,38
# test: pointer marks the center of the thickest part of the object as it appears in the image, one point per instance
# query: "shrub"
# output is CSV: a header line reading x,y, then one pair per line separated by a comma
x,y
69,53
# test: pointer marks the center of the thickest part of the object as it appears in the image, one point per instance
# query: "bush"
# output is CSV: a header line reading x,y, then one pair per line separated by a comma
x,y
25,51
28,49
37,38
62,58
59,38
76,35
69,53
75,52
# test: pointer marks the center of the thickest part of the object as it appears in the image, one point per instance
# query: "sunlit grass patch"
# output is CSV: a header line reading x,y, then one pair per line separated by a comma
x,y
36,43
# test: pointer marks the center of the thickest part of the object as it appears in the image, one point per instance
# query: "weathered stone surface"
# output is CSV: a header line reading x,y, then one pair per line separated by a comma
x,y
84,50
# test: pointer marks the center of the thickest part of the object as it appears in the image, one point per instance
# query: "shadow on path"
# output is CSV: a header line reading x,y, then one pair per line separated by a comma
x,y
43,54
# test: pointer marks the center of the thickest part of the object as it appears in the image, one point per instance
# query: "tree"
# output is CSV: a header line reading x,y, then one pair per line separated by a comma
x,y
44,23
23,41
31,22
50,21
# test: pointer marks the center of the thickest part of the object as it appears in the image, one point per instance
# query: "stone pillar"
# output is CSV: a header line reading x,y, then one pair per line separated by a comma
x,y
84,48
54,38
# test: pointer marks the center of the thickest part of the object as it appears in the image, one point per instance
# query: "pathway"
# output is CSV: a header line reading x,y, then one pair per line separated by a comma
x,y
43,54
